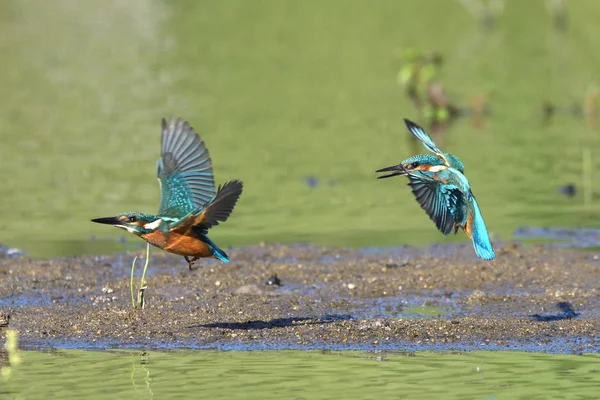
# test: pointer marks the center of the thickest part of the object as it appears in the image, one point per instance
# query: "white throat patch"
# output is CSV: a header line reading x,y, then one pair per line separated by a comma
x,y
128,229
153,225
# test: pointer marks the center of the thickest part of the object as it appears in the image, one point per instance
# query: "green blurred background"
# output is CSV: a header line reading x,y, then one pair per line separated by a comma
x,y
299,99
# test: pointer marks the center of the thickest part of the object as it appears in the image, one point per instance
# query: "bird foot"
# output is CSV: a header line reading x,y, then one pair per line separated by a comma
x,y
190,262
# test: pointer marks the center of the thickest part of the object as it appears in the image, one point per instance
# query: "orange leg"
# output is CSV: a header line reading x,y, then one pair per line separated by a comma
x,y
191,262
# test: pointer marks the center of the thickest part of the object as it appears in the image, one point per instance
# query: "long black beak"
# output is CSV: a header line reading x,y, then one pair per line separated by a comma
x,y
107,220
393,171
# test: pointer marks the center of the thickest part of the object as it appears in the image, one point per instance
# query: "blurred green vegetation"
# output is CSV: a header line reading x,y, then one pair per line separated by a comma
x,y
285,92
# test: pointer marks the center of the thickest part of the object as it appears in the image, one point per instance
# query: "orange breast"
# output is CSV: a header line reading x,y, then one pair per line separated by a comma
x,y
156,238
187,246
468,228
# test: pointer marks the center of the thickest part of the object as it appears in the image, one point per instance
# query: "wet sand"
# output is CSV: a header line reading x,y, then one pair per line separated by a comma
x,y
440,297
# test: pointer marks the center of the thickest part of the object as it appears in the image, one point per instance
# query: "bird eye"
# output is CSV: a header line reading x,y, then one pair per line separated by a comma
x,y
132,219
414,165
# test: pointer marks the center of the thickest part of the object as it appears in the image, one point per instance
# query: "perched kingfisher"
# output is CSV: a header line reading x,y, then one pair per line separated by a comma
x,y
441,188
189,204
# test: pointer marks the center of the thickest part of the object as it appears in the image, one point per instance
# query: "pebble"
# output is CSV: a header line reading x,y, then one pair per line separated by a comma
x,y
249,289
477,295
4,318
10,252
273,280
104,299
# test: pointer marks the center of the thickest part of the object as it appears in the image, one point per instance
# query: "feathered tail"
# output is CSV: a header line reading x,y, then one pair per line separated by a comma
x,y
216,251
479,234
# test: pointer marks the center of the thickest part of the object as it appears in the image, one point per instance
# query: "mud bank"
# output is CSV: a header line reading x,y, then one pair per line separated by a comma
x,y
441,297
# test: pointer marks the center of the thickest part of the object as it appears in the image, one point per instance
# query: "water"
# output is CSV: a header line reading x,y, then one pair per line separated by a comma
x,y
302,375
298,99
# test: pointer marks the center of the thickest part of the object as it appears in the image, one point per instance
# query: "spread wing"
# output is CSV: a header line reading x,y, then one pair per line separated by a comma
x,y
442,202
420,134
184,170
217,210
220,208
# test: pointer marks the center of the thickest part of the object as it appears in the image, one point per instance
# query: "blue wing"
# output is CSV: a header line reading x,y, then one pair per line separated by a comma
x,y
184,170
420,134
479,234
443,203
219,209
448,159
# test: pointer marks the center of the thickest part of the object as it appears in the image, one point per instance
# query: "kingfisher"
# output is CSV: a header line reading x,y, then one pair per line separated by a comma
x,y
443,191
189,203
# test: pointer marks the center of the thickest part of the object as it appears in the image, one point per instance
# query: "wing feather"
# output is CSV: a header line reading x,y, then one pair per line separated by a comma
x,y
221,207
184,170
429,144
441,202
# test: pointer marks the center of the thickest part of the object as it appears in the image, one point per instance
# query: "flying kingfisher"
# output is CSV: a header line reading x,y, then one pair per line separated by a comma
x,y
189,204
441,188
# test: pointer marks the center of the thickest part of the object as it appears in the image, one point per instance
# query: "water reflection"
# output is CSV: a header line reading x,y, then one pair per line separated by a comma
x,y
301,374
140,367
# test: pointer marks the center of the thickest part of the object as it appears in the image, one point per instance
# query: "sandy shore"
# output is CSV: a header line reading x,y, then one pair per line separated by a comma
x,y
441,297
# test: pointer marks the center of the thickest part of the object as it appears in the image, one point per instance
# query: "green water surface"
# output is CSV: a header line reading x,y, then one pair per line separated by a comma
x,y
281,90
301,375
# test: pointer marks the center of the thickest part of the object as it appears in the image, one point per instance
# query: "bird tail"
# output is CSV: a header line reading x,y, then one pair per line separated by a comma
x,y
220,254
478,232
216,251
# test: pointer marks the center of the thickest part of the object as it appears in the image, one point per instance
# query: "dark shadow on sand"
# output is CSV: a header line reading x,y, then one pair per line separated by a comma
x,y
275,323
567,313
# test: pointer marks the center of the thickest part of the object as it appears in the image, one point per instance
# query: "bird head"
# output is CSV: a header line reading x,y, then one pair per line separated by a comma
x,y
420,162
136,223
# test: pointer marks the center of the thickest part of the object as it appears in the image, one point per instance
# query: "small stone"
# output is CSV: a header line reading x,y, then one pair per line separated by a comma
x,y
103,299
393,264
4,318
273,280
218,283
249,289
477,295
351,286
10,252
